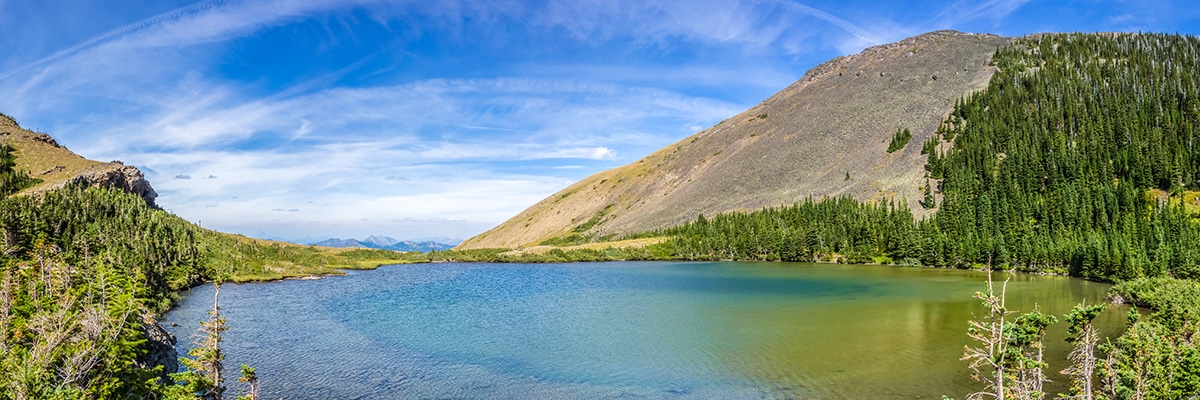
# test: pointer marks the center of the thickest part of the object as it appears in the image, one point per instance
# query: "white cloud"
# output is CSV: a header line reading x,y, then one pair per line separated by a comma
x,y
589,153
964,11
422,147
756,25
861,34
114,34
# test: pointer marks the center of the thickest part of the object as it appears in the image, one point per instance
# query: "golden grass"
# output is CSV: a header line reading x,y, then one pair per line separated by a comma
x,y
795,145
1191,201
619,244
243,259
53,165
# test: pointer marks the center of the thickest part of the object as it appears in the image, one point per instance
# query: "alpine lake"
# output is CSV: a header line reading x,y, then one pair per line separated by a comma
x,y
622,330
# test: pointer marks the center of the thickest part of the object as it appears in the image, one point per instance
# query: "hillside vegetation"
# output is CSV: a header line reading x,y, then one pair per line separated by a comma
x,y
1079,158
1070,154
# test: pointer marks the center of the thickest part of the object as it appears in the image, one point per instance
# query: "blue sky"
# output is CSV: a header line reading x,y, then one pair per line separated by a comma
x,y
310,119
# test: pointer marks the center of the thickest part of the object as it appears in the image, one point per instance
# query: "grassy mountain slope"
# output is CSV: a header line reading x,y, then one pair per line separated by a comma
x,y
56,166
836,120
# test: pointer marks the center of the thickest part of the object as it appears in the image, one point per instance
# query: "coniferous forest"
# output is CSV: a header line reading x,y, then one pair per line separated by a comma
x,y
1079,158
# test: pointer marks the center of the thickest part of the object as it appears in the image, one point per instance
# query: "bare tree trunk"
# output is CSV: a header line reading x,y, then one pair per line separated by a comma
x,y
1084,360
1109,377
1083,357
1039,376
6,302
989,332
214,328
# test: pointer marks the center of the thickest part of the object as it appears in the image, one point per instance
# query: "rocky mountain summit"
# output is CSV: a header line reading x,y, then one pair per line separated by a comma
x,y
825,135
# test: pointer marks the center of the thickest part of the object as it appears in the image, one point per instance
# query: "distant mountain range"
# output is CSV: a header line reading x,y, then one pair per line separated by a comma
x,y
387,243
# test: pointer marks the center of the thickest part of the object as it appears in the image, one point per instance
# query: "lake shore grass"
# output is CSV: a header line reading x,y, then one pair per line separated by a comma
x,y
242,259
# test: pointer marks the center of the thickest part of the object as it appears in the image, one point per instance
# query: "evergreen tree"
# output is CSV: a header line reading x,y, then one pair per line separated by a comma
x,y
1026,336
899,140
250,378
928,200
205,369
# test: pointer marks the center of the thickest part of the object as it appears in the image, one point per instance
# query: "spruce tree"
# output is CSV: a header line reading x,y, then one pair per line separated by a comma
x,y
203,377
928,201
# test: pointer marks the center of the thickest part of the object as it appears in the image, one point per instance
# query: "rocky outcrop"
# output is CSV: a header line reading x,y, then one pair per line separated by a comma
x,y
124,177
44,138
160,348
47,160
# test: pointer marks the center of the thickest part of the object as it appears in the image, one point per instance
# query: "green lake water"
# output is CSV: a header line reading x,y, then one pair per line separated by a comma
x,y
621,330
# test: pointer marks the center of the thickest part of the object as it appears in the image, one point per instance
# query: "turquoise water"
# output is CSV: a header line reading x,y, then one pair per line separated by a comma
x,y
617,330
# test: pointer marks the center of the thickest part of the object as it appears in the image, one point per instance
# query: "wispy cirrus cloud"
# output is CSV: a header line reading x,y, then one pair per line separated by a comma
x,y
539,112
746,26
115,34
870,38
961,12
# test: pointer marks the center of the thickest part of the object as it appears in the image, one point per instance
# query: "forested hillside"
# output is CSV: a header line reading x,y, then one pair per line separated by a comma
x,y
83,272
1078,158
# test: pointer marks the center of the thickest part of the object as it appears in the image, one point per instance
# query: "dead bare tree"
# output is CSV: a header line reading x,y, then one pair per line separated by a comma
x,y
992,347
1109,371
1083,357
96,331
6,303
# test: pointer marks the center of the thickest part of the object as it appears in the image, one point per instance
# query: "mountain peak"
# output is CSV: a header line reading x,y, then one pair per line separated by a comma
x,y
824,135
381,241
